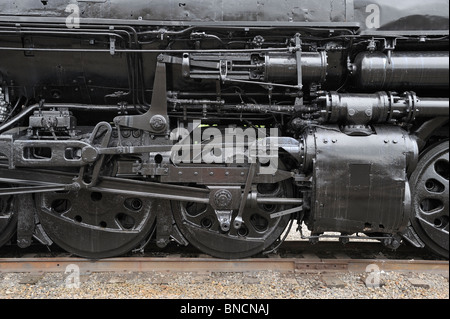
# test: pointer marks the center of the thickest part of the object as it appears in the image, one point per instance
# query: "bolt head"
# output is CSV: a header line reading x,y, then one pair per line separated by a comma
x,y
158,123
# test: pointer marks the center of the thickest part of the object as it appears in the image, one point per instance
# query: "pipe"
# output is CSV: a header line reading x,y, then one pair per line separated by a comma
x,y
402,70
380,107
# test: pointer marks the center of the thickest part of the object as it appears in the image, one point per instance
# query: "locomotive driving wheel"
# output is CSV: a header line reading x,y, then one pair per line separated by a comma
x,y
200,225
95,224
431,198
8,219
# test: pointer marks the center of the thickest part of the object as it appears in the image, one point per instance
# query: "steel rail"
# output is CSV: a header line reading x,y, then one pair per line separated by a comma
x,y
181,264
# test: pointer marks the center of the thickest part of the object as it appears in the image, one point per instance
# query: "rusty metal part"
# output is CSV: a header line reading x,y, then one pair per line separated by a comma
x,y
171,264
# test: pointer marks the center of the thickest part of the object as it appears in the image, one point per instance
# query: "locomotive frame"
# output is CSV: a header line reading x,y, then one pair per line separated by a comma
x,y
259,114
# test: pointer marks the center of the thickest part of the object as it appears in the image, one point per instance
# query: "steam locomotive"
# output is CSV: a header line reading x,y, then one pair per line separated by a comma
x,y
219,123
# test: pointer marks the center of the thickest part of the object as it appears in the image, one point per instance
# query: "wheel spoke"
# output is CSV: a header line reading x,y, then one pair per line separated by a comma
x,y
106,224
205,219
258,230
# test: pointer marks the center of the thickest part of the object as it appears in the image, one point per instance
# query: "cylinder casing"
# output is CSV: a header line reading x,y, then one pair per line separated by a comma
x,y
403,70
282,67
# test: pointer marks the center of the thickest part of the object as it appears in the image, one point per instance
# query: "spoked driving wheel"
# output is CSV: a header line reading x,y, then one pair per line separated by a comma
x,y
95,224
8,219
430,189
200,224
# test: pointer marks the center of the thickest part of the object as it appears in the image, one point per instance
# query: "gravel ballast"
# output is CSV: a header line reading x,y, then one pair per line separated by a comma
x,y
258,285
224,285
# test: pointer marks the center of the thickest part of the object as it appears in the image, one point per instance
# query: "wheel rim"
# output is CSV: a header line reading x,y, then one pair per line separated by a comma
x,y
431,198
8,219
95,224
199,224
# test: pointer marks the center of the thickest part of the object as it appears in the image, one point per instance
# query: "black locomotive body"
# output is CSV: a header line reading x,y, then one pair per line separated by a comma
x,y
220,123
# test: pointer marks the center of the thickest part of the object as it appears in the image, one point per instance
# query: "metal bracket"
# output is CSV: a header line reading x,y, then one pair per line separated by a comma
x,y
163,223
112,42
155,120
389,46
25,224
251,173
56,153
224,218
93,154
40,235
223,69
286,212
411,236
166,229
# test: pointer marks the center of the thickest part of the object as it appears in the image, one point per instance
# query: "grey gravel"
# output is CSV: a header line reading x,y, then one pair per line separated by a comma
x,y
213,285
255,285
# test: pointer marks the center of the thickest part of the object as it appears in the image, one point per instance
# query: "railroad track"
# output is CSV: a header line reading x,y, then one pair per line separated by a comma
x,y
291,257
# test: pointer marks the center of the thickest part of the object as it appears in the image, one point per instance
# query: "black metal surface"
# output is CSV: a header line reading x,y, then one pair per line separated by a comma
x,y
26,220
412,15
257,231
95,224
8,218
366,193
431,198
199,102
400,70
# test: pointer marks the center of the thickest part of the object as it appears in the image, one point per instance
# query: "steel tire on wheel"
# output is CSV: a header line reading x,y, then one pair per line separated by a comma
x,y
8,219
200,227
93,224
430,198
